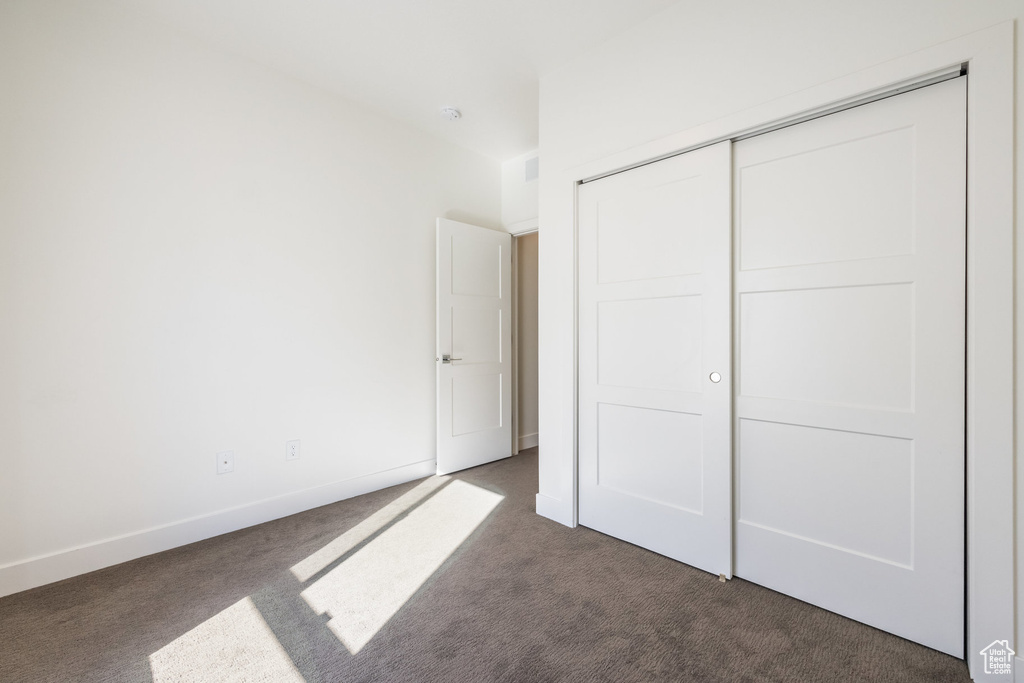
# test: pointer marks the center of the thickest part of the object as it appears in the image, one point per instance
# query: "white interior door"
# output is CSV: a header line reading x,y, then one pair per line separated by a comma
x,y
474,341
849,348
654,317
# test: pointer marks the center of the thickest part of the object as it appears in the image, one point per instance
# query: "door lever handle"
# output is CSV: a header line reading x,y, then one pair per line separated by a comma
x,y
446,358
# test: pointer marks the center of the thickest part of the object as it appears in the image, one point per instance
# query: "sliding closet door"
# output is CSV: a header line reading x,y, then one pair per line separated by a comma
x,y
654,357
849,348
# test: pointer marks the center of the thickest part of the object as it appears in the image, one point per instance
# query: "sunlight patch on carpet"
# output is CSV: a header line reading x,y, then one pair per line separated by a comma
x,y
235,645
367,589
323,558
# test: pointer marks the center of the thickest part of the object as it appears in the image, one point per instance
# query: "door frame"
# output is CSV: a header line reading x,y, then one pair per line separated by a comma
x,y
517,230
989,57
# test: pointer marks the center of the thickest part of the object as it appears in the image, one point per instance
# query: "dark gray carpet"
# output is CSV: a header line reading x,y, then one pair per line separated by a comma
x,y
524,599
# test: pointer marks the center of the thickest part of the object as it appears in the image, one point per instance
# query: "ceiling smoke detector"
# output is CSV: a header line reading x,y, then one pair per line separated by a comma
x,y
450,113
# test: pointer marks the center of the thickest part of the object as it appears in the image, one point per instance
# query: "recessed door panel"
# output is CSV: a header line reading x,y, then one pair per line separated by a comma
x,y
634,241
790,342
476,334
476,267
843,490
820,201
651,454
650,343
476,403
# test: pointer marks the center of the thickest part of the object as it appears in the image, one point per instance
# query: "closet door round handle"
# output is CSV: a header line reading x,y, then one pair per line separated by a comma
x,y
715,377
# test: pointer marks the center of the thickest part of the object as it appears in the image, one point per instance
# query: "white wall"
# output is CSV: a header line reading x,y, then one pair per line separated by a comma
x,y
518,195
692,64
198,254
526,335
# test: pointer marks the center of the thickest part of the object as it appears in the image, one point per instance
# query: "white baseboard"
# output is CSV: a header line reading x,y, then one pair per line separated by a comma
x,y
528,441
38,571
554,509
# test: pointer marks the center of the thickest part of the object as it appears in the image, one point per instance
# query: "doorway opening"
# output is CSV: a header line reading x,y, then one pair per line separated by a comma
x,y
525,372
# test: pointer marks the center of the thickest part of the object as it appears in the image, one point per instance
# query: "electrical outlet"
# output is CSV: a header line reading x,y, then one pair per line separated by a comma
x,y
292,449
225,462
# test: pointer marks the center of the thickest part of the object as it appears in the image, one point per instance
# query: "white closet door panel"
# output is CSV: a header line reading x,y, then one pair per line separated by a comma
x,y
655,322
850,320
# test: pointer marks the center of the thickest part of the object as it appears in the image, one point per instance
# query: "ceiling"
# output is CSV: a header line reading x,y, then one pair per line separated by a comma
x,y
408,58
